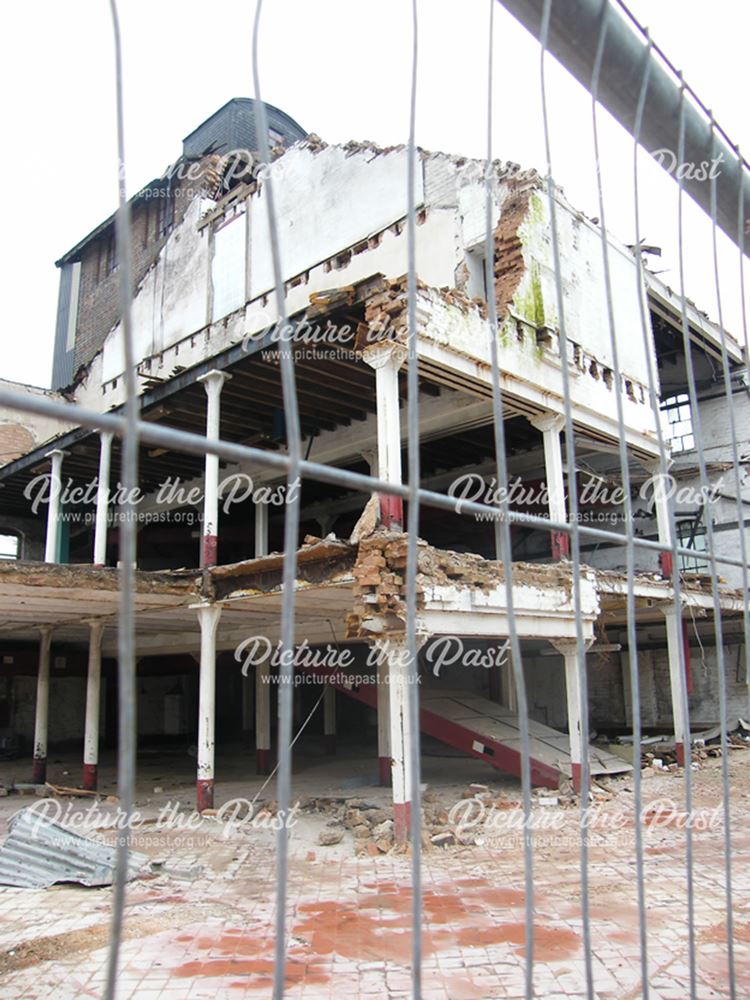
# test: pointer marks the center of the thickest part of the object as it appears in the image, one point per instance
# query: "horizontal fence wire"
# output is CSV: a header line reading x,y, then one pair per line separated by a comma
x,y
196,444
294,467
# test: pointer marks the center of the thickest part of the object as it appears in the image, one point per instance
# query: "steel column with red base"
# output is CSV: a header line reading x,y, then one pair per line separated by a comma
x,y
212,383
93,707
569,651
661,482
41,721
676,651
550,424
384,721
386,358
399,671
263,716
208,617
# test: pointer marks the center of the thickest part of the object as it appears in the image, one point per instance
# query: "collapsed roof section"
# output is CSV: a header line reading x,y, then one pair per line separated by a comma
x,y
341,219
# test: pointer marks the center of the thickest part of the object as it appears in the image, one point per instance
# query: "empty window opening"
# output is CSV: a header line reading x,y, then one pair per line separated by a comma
x,y
677,422
692,536
8,547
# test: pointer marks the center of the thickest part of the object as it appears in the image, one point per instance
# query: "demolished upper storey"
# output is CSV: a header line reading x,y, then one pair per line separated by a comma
x,y
204,274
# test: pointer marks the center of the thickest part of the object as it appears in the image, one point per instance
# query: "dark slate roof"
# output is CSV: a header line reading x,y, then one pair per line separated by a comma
x,y
233,127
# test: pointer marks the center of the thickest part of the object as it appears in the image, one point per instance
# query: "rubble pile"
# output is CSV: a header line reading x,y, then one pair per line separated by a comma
x,y
705,746
386,313
380,568
370,825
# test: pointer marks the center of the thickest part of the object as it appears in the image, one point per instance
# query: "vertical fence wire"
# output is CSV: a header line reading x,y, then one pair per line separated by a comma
x,y
673,550
635,681
693,396
412,553
714,582
574,521
732,416
501,460
627,502
291,538
126,764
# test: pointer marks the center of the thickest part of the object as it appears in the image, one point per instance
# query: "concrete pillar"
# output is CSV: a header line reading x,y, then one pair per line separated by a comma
x,y
384,721
661,482
41,721
52,542
550,424
399,670
329,719
93,707
387,358
212,383
568,649
248,709
102,499
263,717
509,697
675,639
261,530
208,617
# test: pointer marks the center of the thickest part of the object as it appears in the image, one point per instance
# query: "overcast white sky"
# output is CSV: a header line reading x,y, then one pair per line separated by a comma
x,y
341,68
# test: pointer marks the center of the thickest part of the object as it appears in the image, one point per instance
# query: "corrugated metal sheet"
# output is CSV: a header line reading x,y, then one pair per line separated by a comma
x,y
38,853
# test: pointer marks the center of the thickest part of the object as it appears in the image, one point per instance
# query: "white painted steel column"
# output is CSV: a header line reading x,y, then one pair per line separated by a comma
x,y
673,617
510,699
53,507
263,716
102,499
384,719
329,719
93,707
386,359
41,720
569,651
399,670
261,530
212,383
550,424
661,487
208,617
248,707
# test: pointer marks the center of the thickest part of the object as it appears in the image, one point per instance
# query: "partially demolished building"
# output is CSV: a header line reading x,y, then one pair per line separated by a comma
x,y
209,534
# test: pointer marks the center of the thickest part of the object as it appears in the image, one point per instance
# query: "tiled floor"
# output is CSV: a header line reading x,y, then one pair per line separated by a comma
x,y
211,936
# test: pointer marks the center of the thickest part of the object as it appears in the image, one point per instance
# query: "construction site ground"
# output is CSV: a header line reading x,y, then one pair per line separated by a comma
x,y
199,923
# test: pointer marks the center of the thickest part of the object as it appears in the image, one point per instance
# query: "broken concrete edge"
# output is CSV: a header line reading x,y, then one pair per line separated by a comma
x,y
375,565
64,575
